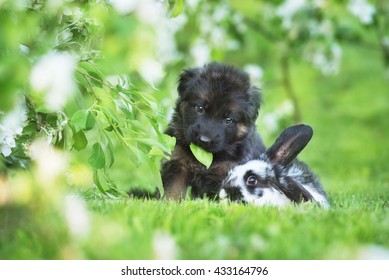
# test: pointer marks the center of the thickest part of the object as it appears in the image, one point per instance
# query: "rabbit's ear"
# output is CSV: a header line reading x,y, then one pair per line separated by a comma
x,y
295,191
289,144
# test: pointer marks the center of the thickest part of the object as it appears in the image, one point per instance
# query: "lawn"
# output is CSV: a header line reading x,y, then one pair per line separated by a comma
x,y
206,230
355,227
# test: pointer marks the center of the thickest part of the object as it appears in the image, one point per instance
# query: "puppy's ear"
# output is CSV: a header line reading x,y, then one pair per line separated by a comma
x,y
255,103
186,79
289,144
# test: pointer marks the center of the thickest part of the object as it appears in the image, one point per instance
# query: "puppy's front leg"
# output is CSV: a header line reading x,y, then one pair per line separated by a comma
x,y
174,179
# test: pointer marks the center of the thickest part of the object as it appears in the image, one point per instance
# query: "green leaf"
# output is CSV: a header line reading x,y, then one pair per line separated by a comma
x,y
93,74
80,141
67,140
177,8
98,183
202,155
151,143
83,119
156,152
169,143
109,114
112,191
90,121
97,159
110,156
154,166
155,124
125,107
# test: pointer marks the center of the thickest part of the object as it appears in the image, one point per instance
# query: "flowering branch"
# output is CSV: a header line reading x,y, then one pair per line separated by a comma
x,y
287,84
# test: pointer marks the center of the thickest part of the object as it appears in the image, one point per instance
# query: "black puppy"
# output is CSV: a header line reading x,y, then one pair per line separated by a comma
x,y
216,109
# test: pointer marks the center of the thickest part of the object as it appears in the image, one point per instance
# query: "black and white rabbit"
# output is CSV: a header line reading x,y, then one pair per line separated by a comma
x,y
277,177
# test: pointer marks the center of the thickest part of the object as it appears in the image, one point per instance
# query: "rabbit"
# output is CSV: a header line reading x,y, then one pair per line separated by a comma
x,y
277,177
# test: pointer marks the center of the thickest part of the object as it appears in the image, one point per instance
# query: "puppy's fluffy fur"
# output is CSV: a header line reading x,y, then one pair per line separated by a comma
x,y
216,109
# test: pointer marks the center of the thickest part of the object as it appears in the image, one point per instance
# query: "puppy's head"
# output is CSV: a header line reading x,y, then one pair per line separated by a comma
x,y
218,106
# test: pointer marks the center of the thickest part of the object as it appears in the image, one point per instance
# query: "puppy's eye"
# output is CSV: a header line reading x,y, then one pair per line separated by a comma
x,y
199,109
228,120
251,181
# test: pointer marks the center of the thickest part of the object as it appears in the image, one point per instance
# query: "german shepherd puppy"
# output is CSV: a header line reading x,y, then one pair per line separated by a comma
x,y
216,110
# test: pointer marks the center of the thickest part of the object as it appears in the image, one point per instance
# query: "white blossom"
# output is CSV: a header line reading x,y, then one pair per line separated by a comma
x,y
192,3
218,36
6,149
148,11
165,30
319,3
239,22
363,10
54,5
321,28
327,61
287,10
151,11
24,49
221,13
286,108
255,72
373,252
200,53
258,243
151,70
385,42
74,12
77,215
271,119
165,247
53,76
124,6
50,163
11,126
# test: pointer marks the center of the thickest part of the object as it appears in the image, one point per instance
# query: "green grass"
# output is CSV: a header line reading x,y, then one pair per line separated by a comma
x,y
207,230
201,229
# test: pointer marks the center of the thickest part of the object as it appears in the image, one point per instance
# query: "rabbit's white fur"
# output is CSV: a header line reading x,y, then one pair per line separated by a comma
x,y
269,197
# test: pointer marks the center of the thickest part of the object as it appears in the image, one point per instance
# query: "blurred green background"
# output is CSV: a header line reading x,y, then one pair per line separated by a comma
x,y
88,87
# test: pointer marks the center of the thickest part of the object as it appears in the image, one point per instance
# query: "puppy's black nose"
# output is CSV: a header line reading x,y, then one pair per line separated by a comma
x,y
204,140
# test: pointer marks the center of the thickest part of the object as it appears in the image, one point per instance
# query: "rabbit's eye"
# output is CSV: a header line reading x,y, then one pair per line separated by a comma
x,y
251,181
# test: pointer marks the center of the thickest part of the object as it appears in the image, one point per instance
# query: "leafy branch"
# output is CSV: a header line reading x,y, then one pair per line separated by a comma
x,y
288,86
